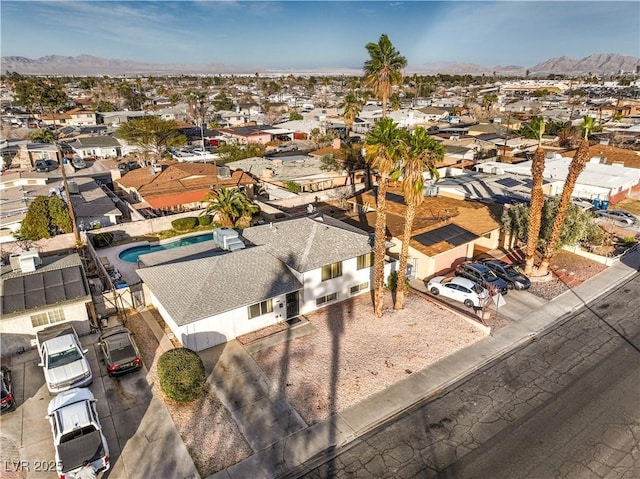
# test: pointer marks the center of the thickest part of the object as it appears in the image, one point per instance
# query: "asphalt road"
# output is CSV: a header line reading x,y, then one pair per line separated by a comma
x,y
565,406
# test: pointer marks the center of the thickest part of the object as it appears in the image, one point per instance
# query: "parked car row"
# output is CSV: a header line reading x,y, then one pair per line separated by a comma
x,y
475,283
77,433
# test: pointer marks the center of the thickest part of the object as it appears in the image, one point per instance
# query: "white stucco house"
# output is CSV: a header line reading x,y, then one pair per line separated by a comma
x,y
37,293
286,268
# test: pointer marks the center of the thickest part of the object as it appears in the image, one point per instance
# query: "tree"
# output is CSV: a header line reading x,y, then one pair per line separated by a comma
x,y
222,102
295,115
420,153
230,206
383,69
229,152
536,127
352,107
42,136
45,217
383,148
578,163
153,134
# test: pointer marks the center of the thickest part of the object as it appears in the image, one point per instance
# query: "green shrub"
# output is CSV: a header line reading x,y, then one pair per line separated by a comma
x,y
181,374
392,282
102,240
629,240
205,220
185,224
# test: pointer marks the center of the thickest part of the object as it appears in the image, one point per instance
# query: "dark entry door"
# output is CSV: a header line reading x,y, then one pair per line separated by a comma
x,y
293,309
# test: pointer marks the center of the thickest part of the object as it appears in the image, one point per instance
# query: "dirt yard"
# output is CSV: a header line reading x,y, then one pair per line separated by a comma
x,y
352,354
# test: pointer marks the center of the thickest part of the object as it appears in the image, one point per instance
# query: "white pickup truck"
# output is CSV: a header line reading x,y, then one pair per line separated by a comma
x,y
62,358
77,434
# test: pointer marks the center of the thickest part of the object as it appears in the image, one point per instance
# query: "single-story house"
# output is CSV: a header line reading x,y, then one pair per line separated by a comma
x,y
286,268
249,134
178,187
97,146
91,205
37,292
446,231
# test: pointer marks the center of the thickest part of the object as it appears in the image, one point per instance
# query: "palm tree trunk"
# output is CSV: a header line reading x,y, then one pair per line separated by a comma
x,y
379,248
404,254
535,212
577,165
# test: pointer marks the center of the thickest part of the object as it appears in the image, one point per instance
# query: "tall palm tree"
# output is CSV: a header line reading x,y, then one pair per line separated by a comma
x,y
383,69
578,163
383,147
229,205
352,108
420,153
536,128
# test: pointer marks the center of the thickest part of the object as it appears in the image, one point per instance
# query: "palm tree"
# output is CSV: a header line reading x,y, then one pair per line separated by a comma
x,y
578,163
230,206
383,69
383,147
352,108
536,127
420,153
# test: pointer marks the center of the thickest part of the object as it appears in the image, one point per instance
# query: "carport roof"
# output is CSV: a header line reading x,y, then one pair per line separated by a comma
x,y
207,287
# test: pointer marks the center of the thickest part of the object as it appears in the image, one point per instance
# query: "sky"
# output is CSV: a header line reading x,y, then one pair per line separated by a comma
x,y
312,35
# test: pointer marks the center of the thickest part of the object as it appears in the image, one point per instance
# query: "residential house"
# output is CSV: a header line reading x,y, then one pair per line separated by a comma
x,y
178,187
287,268
248,134
599,180
37,292
446,231
17,190
92,206
77,116
97,147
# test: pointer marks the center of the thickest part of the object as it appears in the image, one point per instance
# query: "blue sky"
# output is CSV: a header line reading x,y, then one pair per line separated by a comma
x,y
308,34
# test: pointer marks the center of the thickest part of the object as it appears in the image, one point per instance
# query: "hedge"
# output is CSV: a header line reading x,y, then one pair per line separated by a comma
x,y
181,374
205,220
185,224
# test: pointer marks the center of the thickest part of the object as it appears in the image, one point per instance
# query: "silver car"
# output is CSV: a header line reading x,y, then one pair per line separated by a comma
x,y
618,216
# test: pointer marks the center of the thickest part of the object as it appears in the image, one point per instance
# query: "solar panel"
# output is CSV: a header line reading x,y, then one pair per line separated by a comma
x,y
452,234
508,182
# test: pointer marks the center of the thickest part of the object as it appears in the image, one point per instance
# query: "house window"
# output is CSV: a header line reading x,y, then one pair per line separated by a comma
x,y
331,271
326,299
42,319
365,260
359,287
259,309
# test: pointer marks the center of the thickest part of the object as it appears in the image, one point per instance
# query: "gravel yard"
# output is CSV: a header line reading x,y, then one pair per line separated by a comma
x,y
205,425
352,354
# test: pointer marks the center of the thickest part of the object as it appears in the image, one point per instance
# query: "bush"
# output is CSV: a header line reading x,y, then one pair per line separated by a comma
x,y
205,220
102,240
185,224
392,282
181,374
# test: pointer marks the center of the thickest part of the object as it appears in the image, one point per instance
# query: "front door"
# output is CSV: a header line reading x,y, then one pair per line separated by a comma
x,y
293,308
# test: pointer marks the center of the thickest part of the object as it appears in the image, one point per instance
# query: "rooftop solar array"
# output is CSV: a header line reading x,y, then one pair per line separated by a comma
x,y
452,234
43,288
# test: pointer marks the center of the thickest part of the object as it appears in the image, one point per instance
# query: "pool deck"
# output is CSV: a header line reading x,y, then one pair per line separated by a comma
x,y
128,270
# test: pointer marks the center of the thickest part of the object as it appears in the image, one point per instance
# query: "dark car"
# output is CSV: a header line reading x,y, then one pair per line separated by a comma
x,y
46,165
8,402
128,166
121,355
506,271
484,276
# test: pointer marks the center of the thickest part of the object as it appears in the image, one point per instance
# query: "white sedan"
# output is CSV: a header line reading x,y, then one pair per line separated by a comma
x,y
460,289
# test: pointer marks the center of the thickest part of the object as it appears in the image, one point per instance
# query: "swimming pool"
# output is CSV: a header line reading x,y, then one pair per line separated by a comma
x,y
131,255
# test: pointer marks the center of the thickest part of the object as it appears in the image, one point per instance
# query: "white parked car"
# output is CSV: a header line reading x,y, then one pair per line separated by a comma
x,y
461,289
77,434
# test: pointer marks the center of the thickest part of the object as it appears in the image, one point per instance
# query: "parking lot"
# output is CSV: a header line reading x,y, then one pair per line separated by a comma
x,y
138,429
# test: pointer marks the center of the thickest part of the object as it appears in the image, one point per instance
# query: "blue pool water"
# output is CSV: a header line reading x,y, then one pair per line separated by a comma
x,y
131,255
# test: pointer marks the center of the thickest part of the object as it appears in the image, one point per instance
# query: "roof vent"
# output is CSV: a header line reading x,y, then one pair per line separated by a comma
x,y
73,187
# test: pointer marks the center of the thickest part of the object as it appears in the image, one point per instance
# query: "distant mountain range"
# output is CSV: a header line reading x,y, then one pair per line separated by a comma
x,y
601,63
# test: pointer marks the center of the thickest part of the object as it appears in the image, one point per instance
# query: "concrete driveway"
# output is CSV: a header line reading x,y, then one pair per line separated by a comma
x,y
137,426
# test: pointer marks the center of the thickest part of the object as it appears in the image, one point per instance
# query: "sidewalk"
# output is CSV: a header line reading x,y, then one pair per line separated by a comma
x,y
286,458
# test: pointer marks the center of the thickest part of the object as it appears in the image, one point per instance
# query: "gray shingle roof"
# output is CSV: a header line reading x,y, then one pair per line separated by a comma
x,y
195,290
305,244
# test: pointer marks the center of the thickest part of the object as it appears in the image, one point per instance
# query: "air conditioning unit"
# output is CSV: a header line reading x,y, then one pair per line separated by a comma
x,y
73,187
224,172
